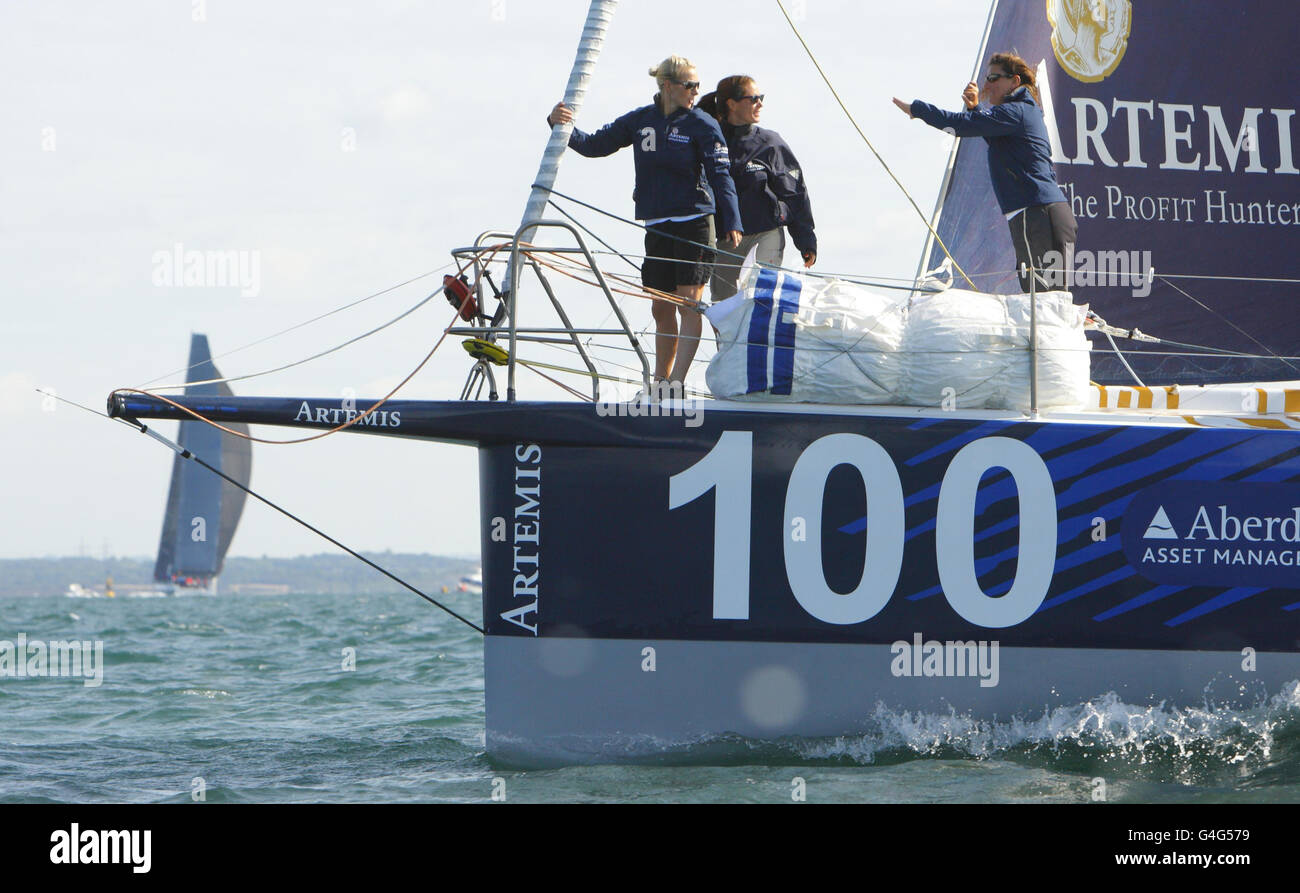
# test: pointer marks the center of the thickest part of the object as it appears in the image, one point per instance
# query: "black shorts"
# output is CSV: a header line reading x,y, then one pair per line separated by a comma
x,y
670,262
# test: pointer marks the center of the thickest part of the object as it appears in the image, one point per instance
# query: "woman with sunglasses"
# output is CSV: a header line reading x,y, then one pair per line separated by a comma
x,y
1020,162
769,183
682,179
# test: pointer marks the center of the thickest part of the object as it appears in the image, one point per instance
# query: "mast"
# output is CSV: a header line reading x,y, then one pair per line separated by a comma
x,y
599,15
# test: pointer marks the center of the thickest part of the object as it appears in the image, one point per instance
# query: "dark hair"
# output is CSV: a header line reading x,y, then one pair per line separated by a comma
x,y
732,87
1011,64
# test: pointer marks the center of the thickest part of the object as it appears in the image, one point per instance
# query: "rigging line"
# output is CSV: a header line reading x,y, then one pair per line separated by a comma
x,y
694,392
684,241
847,277
1203,350
1225,319
633,379
188,454
856,277
802,272
652,294
335,430
348,343
603,376
602,361
1119,353
323,353
303,324
54,396
849,114
612,249
531,366
1228,278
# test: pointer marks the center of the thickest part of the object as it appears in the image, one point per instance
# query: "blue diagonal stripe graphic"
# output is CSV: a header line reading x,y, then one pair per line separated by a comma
x,y
1230,597
1146,598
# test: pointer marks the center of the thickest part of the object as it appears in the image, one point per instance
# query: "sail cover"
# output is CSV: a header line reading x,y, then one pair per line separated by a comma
x,y
202,509
1175,127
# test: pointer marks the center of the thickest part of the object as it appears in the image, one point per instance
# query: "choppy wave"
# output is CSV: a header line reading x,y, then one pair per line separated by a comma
x,y
379,698
1137,750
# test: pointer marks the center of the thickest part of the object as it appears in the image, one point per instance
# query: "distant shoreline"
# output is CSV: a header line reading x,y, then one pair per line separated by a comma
x,y
321,573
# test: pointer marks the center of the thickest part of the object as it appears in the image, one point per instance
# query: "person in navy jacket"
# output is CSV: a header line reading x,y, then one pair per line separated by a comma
x,y
770,185
1020,163
683,179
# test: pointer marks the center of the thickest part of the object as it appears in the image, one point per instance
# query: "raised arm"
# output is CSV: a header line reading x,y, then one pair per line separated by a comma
x,y
616,135
994,120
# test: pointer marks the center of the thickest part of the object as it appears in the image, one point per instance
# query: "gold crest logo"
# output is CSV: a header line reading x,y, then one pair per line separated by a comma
x,y
1089,37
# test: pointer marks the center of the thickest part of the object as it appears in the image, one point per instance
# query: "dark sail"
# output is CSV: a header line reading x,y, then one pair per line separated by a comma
x,y
202,510
1177,148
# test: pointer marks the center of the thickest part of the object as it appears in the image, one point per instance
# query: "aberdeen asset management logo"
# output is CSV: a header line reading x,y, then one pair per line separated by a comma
x,y
1090,36
1160,528
1215,533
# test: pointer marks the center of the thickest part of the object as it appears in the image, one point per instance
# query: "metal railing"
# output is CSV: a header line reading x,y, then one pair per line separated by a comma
x,y
506,319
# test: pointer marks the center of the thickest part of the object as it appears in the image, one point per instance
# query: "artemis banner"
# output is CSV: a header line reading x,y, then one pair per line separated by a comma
x,y
1173,125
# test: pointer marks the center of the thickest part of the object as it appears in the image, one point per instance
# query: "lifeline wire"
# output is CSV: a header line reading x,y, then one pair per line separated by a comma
x,y
653,294
810,273
578,223
303,324
1224,318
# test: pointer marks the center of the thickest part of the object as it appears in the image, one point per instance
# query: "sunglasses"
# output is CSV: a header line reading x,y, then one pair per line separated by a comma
x,y
755,98
993,78
689,85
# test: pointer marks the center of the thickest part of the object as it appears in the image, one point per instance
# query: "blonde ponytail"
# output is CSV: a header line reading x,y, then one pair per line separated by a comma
x,y
671,69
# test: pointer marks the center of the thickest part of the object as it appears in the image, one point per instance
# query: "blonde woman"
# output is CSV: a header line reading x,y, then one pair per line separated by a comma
x,y
683,179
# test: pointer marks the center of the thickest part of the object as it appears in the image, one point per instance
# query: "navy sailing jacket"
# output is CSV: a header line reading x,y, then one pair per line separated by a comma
x,y
1020,155
770,185
678,158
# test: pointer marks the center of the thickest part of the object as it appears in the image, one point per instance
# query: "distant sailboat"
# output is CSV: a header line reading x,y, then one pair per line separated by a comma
x,y
202,510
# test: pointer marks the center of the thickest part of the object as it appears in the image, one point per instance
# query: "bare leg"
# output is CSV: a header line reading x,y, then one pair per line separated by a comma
x,y
665,315
689,342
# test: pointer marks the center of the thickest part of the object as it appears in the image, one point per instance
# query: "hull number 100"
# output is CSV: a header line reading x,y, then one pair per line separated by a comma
x,y
728,470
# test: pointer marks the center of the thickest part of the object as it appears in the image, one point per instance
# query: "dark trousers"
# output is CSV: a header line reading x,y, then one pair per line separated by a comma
x,y
1037,231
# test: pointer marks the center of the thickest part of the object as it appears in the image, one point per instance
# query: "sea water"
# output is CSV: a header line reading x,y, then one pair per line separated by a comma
x,y
379,698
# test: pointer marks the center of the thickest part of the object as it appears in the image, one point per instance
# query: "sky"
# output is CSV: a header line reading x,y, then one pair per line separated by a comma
x,y
344,148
